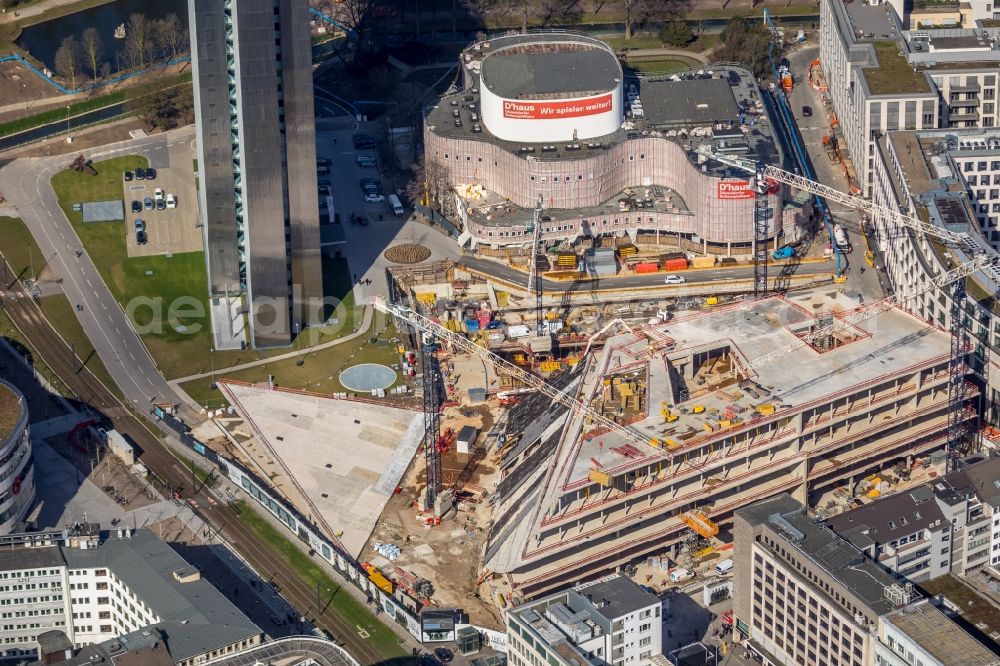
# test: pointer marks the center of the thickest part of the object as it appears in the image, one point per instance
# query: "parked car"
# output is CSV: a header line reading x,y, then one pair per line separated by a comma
x,y
141,238
136,206
158,194
161,205
148,203
374,197
140,174
367,162
673,279
807,111
171,201
150,174
322,161
443,654
362,141
128,175
140,225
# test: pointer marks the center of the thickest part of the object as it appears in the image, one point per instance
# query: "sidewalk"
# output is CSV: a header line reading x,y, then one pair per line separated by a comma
x,y
9,16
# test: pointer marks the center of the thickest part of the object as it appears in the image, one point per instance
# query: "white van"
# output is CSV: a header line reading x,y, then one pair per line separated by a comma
x,y
680,574
396,205
723,567
514,332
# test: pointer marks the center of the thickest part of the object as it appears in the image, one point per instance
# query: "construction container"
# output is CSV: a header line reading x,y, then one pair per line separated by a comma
x,y
703,262
549,366
471,325
765,409
647,267
381,582
675,264
627,250
566,260
672,255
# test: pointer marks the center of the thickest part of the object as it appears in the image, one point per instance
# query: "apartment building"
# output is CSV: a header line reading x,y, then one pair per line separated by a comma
x,y
813,598
714,430
970,498
883,77
916,173
808,597
253,93
611,621
920,634
17,472
906,533
96,587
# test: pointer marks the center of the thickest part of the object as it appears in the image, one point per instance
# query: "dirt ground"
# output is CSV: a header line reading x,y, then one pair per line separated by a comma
x,y
18,84
448,554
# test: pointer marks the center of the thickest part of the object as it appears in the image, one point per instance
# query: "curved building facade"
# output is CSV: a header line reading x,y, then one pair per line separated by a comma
x,y
552,118
17,484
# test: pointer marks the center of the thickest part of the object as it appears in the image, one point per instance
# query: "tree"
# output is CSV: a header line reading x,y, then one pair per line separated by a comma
x,y
91,45
745,42
430,184
67,60
138,45
677,33
170,36
162,108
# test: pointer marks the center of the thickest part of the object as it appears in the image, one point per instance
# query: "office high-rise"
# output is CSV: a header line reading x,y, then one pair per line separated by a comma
x,y
252,66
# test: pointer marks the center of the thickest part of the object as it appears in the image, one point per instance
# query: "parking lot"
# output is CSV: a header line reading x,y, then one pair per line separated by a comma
x,y
171,230
381,227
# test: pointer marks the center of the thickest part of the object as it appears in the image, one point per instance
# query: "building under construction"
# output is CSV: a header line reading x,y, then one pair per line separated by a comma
x,y
708,428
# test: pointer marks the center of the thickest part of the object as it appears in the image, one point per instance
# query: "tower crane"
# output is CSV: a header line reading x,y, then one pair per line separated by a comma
x,y
535,277
959,334
429,326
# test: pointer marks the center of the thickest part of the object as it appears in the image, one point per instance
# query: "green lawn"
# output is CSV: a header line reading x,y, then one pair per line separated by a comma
x,y
343,604
165,296
22,253
893,74
319,372
668,65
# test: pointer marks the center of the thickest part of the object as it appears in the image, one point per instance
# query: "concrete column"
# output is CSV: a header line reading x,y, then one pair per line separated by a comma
x,y
801,492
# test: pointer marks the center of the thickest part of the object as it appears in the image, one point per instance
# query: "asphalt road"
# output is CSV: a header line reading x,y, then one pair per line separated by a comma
x,y
169,472
25,183
691,277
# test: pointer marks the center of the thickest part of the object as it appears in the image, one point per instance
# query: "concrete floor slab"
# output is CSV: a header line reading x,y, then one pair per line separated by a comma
x,y
344,457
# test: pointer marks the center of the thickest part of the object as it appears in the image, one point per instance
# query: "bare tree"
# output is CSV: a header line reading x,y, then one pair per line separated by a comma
x,y
92,46
138,45
171,37
67,60
430,184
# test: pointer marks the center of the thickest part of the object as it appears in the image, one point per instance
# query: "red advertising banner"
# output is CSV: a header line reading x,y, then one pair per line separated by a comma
x,y
735,189
546,110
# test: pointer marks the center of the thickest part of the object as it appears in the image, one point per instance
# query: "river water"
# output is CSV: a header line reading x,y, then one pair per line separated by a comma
x,y
42,39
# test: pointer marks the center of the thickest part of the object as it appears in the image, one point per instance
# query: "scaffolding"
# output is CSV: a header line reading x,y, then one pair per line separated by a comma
x,y
701,524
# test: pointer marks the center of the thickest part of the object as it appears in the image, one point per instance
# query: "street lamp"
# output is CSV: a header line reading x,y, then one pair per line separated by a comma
x,y
211,358
69,139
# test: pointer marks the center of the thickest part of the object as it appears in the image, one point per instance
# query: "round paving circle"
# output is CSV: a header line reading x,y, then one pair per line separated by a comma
x,y
407,253
367,377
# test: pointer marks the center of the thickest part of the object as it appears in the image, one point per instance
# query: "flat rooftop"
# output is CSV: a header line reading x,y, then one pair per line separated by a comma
x,y
871,22
11,410
935,632
345,457
693,109
893,74
882,346
527,72
691,102
842,561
